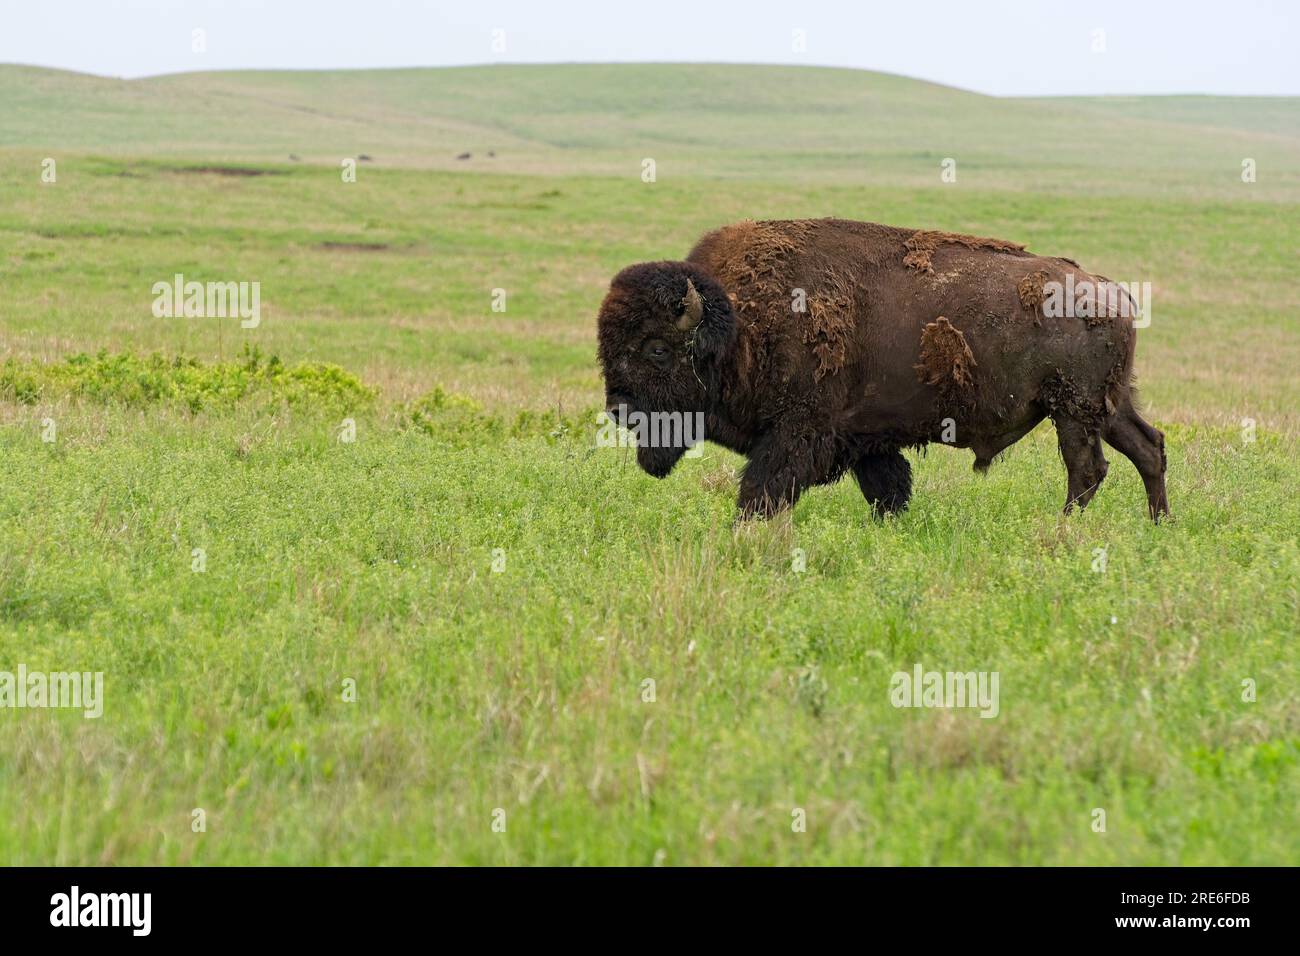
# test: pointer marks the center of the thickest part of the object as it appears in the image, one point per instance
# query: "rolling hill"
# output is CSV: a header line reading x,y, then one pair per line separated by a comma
x,y
816,124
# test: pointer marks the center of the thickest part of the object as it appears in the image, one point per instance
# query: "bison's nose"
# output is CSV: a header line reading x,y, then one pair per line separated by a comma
x,y
616,407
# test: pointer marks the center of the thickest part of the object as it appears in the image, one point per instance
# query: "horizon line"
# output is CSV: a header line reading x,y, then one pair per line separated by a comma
x,y
616,63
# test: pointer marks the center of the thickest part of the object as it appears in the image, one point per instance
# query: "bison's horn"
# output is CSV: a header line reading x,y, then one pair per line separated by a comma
x,y
692,308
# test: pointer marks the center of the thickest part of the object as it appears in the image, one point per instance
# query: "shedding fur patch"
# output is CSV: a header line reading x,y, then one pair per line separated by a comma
x,y
755,261
1030,290
946,359
922,244
829,322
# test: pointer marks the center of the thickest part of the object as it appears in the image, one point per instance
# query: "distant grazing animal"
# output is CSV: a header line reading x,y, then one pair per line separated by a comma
x,y
816,347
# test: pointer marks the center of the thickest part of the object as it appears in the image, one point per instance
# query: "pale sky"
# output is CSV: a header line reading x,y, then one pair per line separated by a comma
x,y
1003,47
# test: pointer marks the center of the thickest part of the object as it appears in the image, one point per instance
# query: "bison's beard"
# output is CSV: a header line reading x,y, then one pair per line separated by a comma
x,y
658,461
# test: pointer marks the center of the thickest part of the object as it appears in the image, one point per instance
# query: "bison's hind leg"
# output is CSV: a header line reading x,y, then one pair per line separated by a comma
x,y
1128,433
886,481
1084,462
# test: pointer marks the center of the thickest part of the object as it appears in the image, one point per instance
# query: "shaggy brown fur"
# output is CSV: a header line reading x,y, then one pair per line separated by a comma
x,y
1030,289
922,245
907,337
946,359
826,330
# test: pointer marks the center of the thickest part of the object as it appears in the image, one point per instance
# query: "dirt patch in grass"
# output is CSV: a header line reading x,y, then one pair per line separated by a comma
x,y
353,246
243,171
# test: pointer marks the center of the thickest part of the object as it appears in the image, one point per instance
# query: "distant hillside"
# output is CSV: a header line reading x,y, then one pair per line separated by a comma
x,y
772,122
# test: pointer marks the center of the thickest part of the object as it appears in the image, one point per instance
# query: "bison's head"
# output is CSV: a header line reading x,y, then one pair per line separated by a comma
x,y
664,330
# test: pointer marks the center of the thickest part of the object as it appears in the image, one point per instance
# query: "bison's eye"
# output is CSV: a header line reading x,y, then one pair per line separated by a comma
x,y
657,351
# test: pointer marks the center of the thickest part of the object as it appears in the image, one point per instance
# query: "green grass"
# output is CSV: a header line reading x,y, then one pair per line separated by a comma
x,y
522,688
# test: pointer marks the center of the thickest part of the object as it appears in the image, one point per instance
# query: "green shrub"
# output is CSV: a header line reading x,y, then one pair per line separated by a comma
x,y
447,415
128,379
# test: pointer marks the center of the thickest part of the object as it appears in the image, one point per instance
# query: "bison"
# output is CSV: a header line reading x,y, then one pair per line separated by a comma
x,y
816,347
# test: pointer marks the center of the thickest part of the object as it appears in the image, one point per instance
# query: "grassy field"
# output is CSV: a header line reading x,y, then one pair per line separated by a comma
x,y
498,591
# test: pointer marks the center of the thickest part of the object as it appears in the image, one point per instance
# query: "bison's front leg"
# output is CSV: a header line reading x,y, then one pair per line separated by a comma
x,y
780,467
885,480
